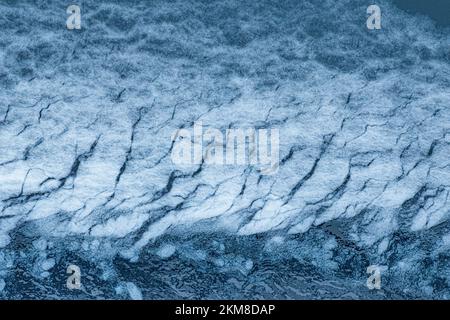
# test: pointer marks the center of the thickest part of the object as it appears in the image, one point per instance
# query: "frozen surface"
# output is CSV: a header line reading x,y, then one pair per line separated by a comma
x,y
86,178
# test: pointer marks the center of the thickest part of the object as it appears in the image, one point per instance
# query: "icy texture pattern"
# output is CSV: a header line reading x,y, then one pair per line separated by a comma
x,y
86,178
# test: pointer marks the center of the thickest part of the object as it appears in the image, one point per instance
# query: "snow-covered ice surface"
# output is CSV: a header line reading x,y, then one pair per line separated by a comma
x,y
86,177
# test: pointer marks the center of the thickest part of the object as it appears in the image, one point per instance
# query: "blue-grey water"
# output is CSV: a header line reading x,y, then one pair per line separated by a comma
x,y
86,176
437,10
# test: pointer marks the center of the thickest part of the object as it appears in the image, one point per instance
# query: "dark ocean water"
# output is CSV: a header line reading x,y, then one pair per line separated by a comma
x,y
438,10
